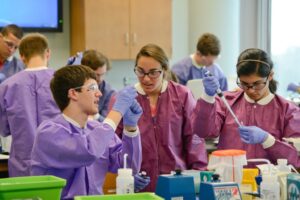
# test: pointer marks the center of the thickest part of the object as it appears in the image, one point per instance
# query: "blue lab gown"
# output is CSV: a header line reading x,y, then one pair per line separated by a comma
x,y
10,67
82,156
25,101
185,70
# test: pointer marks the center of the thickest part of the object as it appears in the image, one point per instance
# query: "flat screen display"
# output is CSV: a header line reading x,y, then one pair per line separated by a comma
x,y
32,15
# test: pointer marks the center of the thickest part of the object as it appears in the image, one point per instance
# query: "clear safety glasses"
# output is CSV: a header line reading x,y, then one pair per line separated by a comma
x,y
92,87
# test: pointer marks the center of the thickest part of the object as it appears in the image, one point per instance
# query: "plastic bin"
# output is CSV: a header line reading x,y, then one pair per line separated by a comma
x,y
136,196
31,187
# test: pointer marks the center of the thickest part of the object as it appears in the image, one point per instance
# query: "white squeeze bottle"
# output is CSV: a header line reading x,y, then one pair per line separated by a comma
x,y
125,181
269,187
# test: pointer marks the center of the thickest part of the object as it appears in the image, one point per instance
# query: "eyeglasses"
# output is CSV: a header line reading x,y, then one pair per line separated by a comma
x,y
10,44
258,85
151,74
92,87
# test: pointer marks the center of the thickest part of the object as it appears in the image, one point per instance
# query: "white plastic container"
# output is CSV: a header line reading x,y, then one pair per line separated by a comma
x,y
125,181
282,165
269,187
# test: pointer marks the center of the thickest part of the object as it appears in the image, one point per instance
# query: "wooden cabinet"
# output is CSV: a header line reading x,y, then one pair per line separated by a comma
x,y
119,28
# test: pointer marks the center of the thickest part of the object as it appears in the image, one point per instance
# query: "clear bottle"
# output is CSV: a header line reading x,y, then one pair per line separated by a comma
x,y
269,187
125,181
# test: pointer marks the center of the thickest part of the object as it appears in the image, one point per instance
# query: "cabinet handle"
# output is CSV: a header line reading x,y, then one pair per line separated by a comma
x,y
126,39
134,39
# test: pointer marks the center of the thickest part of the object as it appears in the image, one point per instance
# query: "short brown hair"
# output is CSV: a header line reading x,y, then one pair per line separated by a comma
x,y
94,59
14,29
209,44
70,76
33,44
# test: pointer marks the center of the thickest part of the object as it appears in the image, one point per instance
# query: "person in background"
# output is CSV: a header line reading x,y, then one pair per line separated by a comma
x,y
293,87
25,101
100,64
191,67
4,52
79,150
266,118
168,141
12,35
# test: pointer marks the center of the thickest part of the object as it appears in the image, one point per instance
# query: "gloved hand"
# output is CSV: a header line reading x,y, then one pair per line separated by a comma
x,y
293,87
210,83
124,99
133,114
140,182
252,134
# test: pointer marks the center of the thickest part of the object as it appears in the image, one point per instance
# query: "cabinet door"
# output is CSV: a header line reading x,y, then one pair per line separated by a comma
x,y
150,22
107,27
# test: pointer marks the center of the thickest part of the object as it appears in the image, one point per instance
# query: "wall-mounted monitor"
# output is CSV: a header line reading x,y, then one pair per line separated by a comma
x,y
32,15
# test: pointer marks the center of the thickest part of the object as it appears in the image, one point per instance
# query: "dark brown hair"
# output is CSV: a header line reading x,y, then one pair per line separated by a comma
x,y
70,76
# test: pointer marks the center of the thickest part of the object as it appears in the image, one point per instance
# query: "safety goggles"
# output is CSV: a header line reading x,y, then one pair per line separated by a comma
x,y
92,87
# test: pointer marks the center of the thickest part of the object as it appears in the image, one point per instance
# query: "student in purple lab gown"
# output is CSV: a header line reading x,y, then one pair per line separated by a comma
x,y
168,141
25,101
79,150
191,67
266,117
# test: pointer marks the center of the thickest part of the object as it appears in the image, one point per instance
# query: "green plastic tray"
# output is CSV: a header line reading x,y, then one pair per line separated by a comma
x,y
136,196
31,187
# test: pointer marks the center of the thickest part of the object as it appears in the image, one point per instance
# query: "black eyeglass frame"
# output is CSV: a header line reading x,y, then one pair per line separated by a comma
x,y
138,73
254,86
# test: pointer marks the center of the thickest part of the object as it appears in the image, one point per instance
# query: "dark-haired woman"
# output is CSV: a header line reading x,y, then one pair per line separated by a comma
x,y
266,117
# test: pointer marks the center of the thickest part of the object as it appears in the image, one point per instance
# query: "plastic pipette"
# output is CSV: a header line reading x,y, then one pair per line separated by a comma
x,y
220,94
125,160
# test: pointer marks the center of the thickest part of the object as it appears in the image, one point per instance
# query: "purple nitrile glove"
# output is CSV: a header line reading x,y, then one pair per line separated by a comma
x,y
210,83
252,134
124,99
293,87
133,114
140,182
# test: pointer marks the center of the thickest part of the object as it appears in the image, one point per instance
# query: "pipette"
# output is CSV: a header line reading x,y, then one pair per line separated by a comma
x,y
220,94
125,160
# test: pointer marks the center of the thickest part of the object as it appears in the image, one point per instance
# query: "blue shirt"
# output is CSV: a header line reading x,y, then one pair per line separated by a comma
x,y
11,67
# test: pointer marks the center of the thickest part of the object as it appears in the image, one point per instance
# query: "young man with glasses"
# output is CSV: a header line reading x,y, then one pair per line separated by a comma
x,y
80,150
191,67
12,35
168,140
100,64
265,117
25,101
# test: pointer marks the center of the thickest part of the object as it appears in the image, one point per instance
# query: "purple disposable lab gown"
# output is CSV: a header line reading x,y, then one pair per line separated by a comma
x,y
82,156
10,67
185,70
25,101
276,115
168,141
